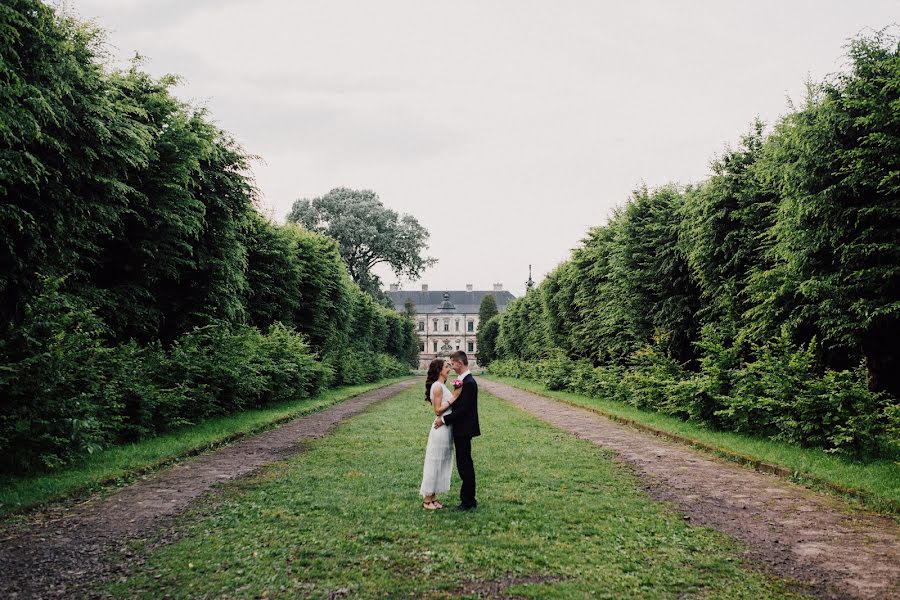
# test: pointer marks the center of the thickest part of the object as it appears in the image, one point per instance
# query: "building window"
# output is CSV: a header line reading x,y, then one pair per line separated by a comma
x,y
435,324
435,344
446,326
421,346
457,324
421,325
471,325
471,347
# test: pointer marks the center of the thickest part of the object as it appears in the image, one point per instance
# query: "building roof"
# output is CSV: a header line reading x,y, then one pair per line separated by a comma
x,y
460,301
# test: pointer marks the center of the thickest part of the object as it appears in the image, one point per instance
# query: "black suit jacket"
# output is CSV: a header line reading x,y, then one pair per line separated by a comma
x,y
464,416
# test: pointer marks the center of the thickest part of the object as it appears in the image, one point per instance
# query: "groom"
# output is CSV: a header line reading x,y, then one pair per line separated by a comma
x,y
464,419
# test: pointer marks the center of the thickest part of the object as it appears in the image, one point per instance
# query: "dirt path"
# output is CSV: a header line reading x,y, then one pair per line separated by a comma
x,y
56,553
795,532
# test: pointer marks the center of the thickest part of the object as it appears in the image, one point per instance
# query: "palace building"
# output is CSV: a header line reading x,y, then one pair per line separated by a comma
x,y
446,321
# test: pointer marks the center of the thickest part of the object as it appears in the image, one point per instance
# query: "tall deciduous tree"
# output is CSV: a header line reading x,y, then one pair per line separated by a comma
x,y
368,234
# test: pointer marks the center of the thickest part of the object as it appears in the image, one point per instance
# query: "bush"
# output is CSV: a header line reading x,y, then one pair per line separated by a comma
x,y
54,367
66,394
352,367
779,395
508,367
554,371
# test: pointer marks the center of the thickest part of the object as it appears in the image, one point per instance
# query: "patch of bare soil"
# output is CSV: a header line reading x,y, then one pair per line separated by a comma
x,y
497,589
835,550
58,552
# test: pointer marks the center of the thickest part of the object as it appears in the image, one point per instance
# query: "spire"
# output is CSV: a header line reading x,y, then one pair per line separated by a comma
x,y
530,283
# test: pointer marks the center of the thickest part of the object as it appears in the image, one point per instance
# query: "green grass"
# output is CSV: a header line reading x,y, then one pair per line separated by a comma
x,y
875,483
120,464
345,518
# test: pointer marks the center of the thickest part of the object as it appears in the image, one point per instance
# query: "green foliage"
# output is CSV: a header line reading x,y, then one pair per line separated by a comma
x,y
139,288
522,328
368,234
874,481
726,219
779,396
67,142
837,246
352,367
765,300
487,340
54,368
487,309
67,394
114,465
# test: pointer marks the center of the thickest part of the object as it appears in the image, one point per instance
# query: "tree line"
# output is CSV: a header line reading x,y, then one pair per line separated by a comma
x,y
764,300
140,289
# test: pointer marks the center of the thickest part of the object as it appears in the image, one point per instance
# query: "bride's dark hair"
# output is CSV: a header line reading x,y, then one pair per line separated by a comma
x,y
434,371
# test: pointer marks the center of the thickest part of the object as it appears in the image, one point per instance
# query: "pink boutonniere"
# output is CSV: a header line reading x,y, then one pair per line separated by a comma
x,y
457,383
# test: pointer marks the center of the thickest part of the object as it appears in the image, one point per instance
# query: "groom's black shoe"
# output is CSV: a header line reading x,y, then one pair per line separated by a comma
x,y
465,507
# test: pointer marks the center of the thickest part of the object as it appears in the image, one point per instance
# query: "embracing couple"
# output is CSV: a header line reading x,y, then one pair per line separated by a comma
x,y
455,426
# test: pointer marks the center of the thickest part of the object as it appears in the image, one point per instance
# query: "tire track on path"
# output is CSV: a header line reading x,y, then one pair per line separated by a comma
x,y
838,552
58,552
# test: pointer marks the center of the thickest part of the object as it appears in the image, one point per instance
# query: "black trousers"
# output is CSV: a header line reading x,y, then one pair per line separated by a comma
x,y
466,469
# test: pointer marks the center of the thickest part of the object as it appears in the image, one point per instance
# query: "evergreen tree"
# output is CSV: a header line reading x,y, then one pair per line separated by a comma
x,y
487,309
838,229
725,226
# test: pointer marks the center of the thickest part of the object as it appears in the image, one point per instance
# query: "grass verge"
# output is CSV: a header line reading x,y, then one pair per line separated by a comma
x,y
874,484
557,518
121,464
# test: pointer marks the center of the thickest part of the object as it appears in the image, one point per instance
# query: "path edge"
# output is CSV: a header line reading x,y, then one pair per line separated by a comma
x,y
111,483
878,505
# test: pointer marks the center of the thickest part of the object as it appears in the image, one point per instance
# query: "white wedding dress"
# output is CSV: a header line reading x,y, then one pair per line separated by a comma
x,y
438,453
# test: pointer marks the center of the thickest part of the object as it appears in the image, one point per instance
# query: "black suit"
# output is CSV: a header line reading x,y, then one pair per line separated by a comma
x,y
464,418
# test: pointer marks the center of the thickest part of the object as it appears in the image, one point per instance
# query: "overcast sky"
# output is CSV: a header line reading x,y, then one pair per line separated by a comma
x,y
507,128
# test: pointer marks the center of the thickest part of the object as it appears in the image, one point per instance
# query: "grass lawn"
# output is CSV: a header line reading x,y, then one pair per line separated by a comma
x,y
120,464
344,519
876,482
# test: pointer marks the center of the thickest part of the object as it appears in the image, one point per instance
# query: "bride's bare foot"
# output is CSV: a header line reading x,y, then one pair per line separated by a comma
x,y
432,505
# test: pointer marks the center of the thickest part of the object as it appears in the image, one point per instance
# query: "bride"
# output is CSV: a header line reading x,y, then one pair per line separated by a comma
x,y
439,452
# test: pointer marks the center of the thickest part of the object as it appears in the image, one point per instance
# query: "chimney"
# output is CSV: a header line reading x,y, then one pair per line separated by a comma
x,y
468,287
424,287
498,287
395,287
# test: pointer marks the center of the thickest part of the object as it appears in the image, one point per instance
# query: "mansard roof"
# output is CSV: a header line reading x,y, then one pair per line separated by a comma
x,y
462,302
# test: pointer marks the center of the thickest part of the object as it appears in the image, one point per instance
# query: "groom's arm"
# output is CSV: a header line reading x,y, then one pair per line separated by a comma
x,y
462,405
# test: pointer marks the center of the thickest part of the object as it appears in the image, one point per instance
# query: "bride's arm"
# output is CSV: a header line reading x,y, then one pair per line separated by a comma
x,y
438,402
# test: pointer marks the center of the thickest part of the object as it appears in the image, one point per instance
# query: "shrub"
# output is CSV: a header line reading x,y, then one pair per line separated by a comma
x,y
352,367
66,394
554,371
54,368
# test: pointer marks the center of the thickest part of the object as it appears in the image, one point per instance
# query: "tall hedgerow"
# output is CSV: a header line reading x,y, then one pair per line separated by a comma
x,y
765,299
140,290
